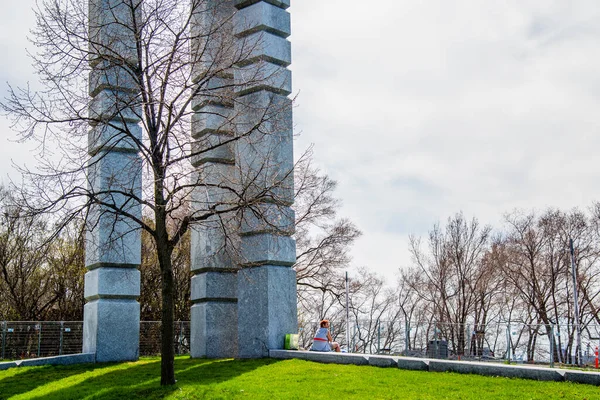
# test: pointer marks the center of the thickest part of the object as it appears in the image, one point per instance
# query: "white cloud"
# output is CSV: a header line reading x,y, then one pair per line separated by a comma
x,y
422,109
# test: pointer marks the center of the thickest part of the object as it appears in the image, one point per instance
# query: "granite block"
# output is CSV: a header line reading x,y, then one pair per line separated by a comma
x,y
110,30
262,16
268,248
331,357
262,75
414,364
111,329
112,283
264,46
112,105
268,218
7,365
213,244
105,75
382,361
465,367
586,377
114,238
213,148
279,3
267,311
214,285
216,90
114,137
212,119
213,330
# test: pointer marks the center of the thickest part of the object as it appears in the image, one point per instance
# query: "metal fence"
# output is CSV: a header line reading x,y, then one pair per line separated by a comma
x,y
493,342
22,340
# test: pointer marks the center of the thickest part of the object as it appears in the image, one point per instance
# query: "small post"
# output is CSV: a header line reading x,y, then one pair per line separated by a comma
x,y
62,328
3,338
406,335
378,337
596,354
347,313
508,342
551,345
39,339
576,303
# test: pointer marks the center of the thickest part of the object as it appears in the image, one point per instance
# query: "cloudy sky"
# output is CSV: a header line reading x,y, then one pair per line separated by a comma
x,y
420,109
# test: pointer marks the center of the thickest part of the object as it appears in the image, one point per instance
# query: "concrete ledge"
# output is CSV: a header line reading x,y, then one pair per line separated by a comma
x,y
508,371
322,357
382,361
590,378
69,359
7,365
413,364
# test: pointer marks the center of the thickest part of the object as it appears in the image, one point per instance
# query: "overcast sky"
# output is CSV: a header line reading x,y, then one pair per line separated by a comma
x,y
420,109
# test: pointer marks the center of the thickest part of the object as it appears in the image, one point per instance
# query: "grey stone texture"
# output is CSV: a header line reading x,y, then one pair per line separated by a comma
x,y
111,329
7,365
268,248
112,283
213,329
589,378
266,309
213,242
267,297
268,218
113,239
111,30
279,3
214,285
262,16
114,137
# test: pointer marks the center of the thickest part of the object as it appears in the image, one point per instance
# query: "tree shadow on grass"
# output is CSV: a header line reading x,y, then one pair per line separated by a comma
x,y
29,378
140,381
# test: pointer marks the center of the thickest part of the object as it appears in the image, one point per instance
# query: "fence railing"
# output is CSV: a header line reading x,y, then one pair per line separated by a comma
x,y
492,342
20,340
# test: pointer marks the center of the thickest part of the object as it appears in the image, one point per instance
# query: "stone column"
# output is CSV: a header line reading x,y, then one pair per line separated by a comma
x,y
213,242
113,239
266,283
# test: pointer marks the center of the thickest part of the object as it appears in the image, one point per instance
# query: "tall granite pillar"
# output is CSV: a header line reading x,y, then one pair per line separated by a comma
x,y
213,265
266,283
113,239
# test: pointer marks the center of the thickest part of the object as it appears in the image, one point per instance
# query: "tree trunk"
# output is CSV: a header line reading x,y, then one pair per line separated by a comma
x,y
167,361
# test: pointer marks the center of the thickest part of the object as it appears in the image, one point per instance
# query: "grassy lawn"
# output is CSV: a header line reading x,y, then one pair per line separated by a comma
x,y
269,379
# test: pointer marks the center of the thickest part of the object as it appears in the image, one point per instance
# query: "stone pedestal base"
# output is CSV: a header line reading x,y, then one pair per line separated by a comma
x,y
267,309
214,330
111,329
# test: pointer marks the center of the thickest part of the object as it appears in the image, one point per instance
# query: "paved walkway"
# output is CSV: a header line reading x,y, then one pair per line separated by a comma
x,y
435,365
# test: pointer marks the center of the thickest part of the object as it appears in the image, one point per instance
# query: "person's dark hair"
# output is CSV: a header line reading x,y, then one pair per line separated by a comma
x,y
324,322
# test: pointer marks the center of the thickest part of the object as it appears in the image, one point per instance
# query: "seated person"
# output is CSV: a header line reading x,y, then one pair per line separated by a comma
x,y
323,341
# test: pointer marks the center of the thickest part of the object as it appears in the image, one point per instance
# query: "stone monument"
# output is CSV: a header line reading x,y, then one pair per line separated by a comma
x,y
243,288
113,242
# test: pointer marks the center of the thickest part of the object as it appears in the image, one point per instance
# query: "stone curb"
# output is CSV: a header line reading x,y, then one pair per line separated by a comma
x,y
7,365
435,365
69,359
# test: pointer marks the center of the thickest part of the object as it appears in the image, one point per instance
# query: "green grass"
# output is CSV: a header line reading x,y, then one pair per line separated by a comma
x,y
269,379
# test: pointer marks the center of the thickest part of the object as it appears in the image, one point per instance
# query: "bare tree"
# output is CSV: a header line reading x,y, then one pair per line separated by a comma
x,y
452,275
